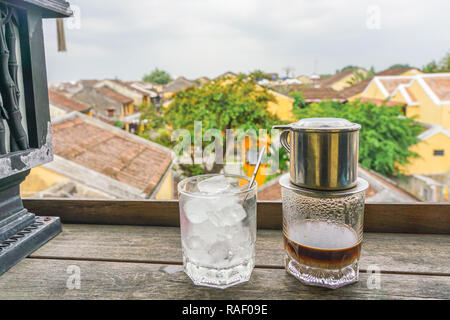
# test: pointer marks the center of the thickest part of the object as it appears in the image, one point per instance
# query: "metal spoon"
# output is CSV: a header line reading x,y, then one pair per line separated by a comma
x,y
255,172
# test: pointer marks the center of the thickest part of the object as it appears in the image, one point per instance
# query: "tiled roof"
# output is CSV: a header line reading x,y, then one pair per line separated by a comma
x,y
89,82
431,130
393,72
391,83
118,155
129,87
318,94
326,82
178,84
360,86
226,74
356,88
115,95
287,88
310,94
60,100
440,85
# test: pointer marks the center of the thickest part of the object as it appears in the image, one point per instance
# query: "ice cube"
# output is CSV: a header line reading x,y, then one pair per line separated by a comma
x,y
219,251
197,210
227,213
196,249
195,243
216,184
206,231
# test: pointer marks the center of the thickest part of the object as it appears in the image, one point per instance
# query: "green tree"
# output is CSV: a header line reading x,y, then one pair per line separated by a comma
x,y
358,76
400,65
299,102
442,66
444,63
347,67
430,67
152,125
221,104
258,75
385,135
157,76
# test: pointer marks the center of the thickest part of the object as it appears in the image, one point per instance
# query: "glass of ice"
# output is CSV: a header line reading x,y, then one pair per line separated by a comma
x,y
218,228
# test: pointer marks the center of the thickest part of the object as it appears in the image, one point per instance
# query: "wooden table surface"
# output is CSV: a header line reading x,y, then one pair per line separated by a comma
x,y
142,262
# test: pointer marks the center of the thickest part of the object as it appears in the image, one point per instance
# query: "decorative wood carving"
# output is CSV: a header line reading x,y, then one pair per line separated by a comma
x,y
9,89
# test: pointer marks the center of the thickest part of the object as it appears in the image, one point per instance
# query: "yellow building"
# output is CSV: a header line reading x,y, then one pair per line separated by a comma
x,y
203,80
93,159
304,79
139,96
341,80
434,152
426,98
250,157
354,92
282,107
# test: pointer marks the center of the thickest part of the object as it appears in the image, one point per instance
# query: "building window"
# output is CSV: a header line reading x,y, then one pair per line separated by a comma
x,y
110,112
438,152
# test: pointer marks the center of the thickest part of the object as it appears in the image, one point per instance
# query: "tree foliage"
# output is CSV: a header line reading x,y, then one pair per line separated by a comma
x,y
152,125
359,76
347,67
157,76
442,66
222,104
258,75
385,135
299,101
400,65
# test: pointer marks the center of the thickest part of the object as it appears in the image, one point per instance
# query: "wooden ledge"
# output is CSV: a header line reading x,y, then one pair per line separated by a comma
x,y
432,218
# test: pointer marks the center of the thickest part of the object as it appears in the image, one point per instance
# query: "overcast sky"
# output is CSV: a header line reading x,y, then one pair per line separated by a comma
x,y
193,38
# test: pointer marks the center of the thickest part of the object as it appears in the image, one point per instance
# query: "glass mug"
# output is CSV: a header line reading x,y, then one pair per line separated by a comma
x,y
218,229
323,233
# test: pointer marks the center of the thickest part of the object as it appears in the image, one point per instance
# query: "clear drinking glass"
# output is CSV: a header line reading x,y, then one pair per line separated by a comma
x,y
323,232
218,229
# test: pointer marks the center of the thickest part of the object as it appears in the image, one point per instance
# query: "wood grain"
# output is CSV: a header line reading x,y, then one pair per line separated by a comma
x,y
47,279
433,218
408,253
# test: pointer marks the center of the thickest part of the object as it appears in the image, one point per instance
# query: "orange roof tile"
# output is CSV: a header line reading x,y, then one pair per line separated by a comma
x,y
390,84
59,99
310,94
360,86
328,81
115,95
126,85
440,85
112,154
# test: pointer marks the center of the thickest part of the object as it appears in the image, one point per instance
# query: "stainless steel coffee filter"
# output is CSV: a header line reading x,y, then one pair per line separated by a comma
x,y
323,152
